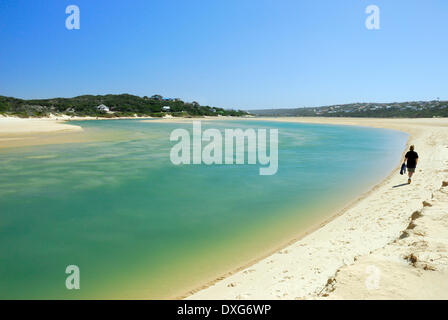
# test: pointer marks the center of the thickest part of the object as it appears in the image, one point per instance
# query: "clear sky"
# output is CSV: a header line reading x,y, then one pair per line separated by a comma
x,y
227,53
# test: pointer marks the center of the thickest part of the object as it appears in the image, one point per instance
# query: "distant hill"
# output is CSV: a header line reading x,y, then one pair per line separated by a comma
x,y
414,109
114,105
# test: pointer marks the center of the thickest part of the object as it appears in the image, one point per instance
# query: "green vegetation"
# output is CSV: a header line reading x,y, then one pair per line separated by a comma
x,y
414,109
120,105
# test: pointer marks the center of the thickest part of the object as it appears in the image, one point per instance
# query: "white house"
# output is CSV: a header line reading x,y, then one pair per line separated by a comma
x,y
103,108
166,108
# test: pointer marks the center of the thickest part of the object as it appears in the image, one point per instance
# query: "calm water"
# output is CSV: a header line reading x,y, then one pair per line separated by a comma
x,y
140,227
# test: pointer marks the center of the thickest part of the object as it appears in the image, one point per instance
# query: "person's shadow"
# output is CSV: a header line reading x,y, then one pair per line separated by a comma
x,y
400,185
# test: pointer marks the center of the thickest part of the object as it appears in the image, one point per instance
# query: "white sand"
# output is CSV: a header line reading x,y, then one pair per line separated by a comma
x,y
11,125
359,254
18,132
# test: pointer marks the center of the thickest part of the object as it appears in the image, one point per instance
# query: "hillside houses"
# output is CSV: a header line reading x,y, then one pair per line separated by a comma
x,y
359,109
103,108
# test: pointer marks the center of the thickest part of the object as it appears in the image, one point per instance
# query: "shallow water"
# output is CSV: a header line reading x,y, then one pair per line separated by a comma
x,y
140,227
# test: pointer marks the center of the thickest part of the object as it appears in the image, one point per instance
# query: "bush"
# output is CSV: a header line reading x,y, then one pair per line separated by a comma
x,y
22,115
125,104
180,114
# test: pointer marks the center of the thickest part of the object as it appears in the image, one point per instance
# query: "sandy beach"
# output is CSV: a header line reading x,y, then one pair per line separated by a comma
x,y
18,132
392,243
12,125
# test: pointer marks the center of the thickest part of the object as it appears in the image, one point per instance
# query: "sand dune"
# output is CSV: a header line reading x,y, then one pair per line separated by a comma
x,y
390,244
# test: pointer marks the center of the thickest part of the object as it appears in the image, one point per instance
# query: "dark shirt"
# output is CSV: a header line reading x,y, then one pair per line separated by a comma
x,y
412,156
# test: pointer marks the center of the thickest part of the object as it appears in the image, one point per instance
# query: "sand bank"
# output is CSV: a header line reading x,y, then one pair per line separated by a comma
x,y
17,132
11,126
189,120
21,132
392,243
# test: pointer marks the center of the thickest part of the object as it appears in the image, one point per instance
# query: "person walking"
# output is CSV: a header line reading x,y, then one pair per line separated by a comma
x,y
411,159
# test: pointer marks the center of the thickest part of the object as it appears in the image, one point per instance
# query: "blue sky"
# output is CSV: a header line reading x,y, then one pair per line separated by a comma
x,y
230,53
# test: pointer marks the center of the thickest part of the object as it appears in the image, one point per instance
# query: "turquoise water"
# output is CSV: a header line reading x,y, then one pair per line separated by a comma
x,y
139,227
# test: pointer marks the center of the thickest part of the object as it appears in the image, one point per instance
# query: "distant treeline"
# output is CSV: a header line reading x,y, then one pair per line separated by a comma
x,y
118,105
414,109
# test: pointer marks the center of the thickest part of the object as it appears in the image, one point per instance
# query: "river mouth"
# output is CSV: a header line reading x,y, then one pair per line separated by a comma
x,y
140,227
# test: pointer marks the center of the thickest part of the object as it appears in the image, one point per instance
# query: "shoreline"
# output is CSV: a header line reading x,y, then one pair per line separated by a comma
x,y
15,126
306,232
310,229
249,283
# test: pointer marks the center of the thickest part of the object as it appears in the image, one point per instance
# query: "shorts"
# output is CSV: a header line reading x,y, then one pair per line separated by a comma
x,y
411,170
